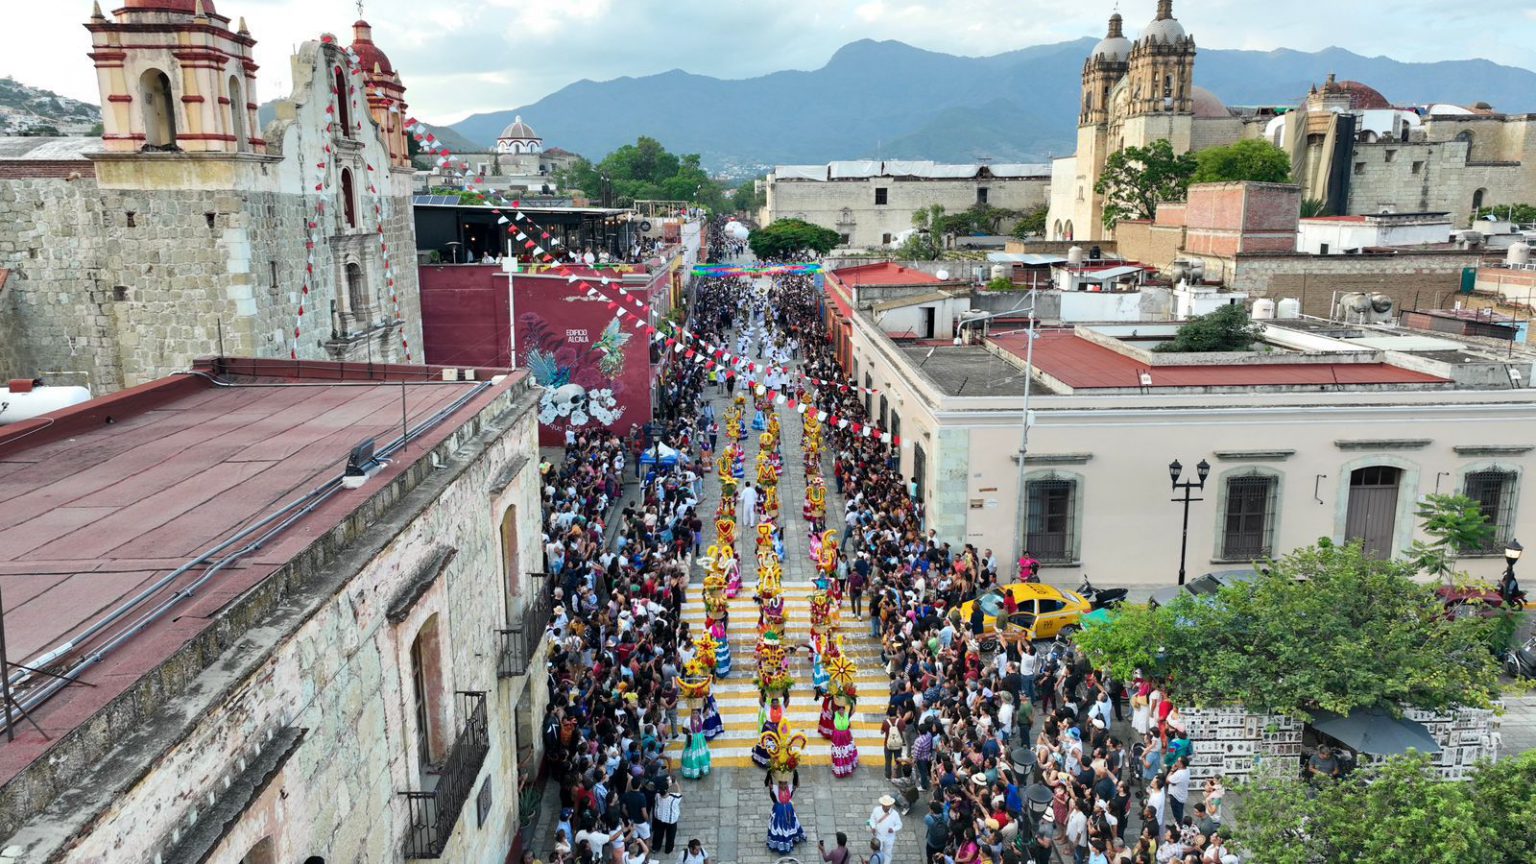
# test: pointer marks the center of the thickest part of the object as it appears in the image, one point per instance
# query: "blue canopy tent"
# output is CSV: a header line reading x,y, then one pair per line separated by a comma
x,y
659,453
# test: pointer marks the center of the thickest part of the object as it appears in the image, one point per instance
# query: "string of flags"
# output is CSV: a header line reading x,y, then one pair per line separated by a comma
x,y
738,362
533,238
323,189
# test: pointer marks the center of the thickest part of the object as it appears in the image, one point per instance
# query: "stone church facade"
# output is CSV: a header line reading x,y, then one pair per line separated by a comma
x,y
186,230
1350,148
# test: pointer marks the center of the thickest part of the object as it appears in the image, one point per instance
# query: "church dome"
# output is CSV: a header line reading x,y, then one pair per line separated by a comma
x,y
1113,48
1165,27
1362,97
519,129
1207,105
368,54
186,7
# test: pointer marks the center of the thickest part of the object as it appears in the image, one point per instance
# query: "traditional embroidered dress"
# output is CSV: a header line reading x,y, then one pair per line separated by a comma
x,y
714,727
722,650
825,724
696,761
732,578
820,680
784,830
845,753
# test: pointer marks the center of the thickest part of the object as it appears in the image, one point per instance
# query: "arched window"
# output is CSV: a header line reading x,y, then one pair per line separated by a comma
x,y
1477,201
1056,230
1465,135
348,200
159,109
314,859
343,102
1068,230
357,291
427,693
509,557
237,113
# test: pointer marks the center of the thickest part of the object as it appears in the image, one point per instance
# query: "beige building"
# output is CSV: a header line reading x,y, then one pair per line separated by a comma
x,y
186,230
1327,431
870,204
309,638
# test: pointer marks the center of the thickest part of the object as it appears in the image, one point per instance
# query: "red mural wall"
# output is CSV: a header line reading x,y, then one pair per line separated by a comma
x,y
592,365
466,318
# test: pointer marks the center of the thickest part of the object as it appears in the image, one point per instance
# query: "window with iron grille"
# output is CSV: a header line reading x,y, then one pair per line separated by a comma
x,y
1250,517
1048,528
1494,492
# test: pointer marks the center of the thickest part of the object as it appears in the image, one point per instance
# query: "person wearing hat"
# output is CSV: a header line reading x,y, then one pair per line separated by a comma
x,y
884,828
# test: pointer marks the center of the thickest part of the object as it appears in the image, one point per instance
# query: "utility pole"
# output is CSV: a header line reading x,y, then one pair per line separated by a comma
x,y
1021,524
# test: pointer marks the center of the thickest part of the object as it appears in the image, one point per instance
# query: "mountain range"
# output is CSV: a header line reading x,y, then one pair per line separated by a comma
x,y
893,101
33,110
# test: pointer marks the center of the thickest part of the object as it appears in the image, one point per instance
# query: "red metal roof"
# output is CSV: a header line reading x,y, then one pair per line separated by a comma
x,y
839,299
1083,365
146,480
884,273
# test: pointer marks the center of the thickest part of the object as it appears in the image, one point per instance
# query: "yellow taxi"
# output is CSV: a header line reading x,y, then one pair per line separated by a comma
x,y
1044,611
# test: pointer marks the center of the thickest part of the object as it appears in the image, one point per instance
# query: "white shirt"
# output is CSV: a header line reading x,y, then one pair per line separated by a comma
x,y
1077,828
1178,785
887,823
669,808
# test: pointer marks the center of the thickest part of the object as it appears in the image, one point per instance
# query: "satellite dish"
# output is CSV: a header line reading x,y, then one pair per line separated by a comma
x,y
943,275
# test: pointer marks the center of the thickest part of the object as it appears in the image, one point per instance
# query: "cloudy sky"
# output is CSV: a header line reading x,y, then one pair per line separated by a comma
x,y
462,56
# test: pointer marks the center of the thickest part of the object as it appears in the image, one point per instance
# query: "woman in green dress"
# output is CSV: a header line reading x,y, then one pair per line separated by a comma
x,y
696,754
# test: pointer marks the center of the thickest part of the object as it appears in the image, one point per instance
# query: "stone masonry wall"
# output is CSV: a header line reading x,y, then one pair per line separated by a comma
x,y
344,675
1422,281
822,203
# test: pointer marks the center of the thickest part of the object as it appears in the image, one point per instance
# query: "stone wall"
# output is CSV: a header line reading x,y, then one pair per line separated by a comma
x,y
867,224
1424,281
1150,244
163,257
1432,177
325,658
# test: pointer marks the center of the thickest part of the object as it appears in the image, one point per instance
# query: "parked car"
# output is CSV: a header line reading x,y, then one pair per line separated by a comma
x,y
1470,600
1043,610
1202,586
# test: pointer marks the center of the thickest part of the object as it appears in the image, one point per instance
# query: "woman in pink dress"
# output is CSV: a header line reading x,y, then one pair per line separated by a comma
x,y
845,753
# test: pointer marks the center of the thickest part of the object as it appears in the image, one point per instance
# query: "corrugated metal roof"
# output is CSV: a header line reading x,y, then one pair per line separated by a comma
x,y
1028,259
1108,273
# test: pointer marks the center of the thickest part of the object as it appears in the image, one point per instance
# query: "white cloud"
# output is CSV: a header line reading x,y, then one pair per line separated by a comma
x,y
459,56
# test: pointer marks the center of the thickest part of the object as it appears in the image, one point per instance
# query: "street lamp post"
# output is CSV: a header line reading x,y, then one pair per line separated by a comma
x,y
1512,551
1021,526
1202,471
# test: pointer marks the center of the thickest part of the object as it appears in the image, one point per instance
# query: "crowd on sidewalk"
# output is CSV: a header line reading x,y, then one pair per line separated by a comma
x,y
1016,755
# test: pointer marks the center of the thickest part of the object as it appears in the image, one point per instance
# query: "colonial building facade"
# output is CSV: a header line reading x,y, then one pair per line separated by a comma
x,y
1350,148
186,230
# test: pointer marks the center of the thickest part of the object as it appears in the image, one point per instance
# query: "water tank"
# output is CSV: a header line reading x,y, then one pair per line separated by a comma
x,y
1288,309
24,400
1000,271
1075,256
1381,308
1353,306
1519,253
1263,309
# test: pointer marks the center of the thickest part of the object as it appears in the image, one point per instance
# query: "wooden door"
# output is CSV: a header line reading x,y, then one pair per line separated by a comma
x,y
1372,514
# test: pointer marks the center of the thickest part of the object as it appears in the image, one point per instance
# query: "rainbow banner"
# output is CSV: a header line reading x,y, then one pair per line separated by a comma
x,y
722,271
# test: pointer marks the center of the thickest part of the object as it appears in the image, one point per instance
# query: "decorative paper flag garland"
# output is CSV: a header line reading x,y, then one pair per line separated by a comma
x,y
721,354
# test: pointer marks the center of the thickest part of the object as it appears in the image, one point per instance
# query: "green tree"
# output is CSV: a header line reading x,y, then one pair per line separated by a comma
x,y
1522,214
1031,222
1325,627
1378,816
645,170
1137,179
496,165
919,247
1252,159
789,239
1456,525
746,198
1313,207
1226,329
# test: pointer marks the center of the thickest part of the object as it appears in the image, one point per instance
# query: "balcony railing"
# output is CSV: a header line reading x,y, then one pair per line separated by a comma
x,y
517,645
433,814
